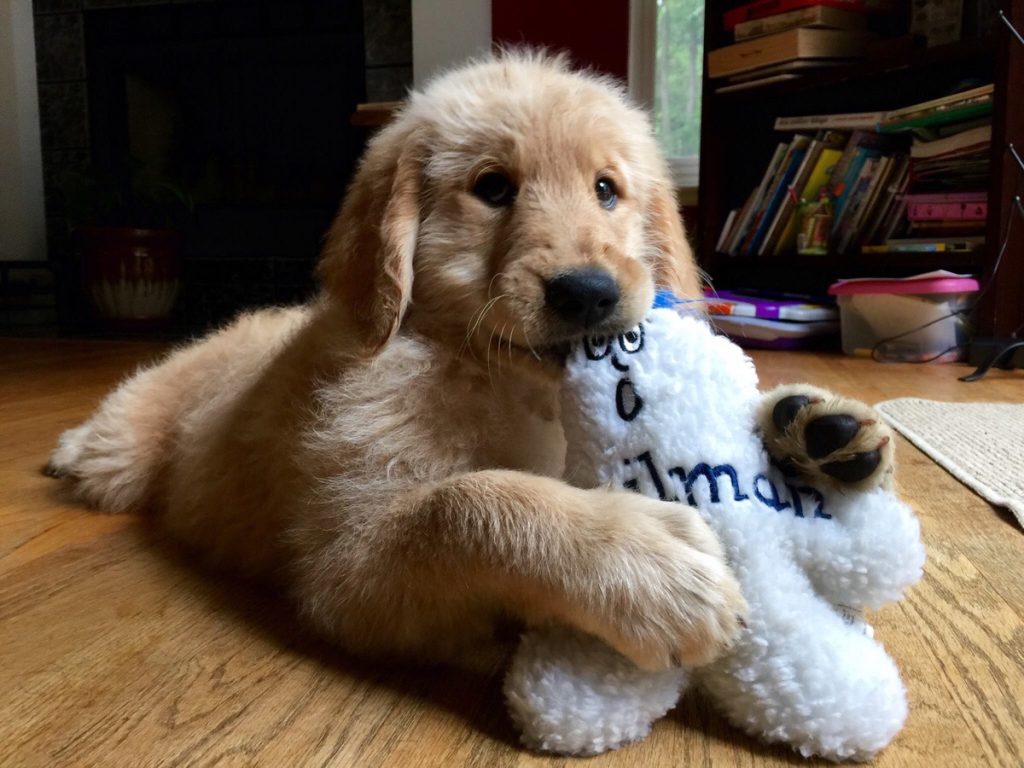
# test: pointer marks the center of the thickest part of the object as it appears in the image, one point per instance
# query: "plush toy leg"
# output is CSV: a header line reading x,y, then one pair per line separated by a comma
x,y
803,677
570,693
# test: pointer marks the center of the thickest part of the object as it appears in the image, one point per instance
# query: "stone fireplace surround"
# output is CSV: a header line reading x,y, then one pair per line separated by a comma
x,y
258,96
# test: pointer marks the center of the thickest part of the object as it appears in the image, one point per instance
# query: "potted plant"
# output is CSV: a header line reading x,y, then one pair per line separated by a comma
x,y
128,234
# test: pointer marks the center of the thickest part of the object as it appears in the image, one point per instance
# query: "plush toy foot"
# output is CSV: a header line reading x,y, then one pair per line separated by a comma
x,y
826,439
570,693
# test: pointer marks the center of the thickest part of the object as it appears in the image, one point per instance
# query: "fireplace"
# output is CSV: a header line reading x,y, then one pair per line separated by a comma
x,y
237,112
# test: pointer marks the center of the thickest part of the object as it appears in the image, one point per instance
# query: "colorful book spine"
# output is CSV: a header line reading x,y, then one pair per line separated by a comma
x,y
778,195
947,211
811,191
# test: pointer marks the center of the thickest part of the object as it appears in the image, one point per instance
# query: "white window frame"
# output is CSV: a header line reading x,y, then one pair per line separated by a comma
x,y
643,47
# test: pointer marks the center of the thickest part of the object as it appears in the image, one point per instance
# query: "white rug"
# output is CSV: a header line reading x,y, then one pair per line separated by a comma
x,y
981,444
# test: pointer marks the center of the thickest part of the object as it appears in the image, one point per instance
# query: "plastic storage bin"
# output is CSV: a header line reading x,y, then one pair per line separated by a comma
x,y
912,320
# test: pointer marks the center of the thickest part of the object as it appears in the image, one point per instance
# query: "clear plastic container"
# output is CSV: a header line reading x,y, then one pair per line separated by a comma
x,y
915,319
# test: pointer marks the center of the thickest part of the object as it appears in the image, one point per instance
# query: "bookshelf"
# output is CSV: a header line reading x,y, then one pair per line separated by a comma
x,y
738,138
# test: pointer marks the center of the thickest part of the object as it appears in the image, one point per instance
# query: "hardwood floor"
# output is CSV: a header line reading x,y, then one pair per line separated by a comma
x,y
115,652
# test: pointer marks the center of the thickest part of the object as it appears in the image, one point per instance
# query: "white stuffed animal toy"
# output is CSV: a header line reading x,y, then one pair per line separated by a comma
x,y
797,484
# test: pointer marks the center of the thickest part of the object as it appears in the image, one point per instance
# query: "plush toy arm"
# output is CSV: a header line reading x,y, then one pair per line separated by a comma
x,y
867,554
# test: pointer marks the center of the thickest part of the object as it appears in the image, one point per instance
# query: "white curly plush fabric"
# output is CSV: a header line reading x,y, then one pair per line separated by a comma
x,y
668,410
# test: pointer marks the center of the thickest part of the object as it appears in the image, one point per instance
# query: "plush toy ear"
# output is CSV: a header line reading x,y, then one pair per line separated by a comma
x,y
367,260
674,266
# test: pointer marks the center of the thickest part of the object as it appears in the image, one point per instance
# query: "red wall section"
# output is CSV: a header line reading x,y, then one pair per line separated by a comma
x,y
594,32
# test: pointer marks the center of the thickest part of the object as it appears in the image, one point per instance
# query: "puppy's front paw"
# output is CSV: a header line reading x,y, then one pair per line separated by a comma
x,y
666,596
826,438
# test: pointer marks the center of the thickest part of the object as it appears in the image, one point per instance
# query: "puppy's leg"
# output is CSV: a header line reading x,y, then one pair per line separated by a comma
x,y
826,438
112,459
647,577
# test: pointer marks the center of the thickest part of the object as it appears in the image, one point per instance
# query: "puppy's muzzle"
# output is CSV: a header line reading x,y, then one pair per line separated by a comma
x,y
582,298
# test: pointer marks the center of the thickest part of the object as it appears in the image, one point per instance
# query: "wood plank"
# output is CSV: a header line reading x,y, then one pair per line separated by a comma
x,y
114,650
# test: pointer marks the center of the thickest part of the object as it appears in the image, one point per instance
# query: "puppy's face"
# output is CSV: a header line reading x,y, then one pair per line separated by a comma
x,y
513,205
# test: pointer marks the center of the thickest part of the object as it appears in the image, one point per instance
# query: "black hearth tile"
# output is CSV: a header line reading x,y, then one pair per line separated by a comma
x,y
63,115
387,27
388,83
60,47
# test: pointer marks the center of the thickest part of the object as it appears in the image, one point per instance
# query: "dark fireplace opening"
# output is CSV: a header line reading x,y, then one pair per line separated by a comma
x,y
240,112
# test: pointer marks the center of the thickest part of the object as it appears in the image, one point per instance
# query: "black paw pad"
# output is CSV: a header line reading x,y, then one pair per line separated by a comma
x,y
860,467
786,410
829,433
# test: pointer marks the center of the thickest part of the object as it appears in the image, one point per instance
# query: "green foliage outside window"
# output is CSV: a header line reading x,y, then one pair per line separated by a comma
x,y
679,64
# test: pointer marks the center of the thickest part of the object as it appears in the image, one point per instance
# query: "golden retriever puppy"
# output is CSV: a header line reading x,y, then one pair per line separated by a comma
x,y
392,452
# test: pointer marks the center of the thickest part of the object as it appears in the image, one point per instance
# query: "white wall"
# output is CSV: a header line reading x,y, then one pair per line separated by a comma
x,y
447,32
22,220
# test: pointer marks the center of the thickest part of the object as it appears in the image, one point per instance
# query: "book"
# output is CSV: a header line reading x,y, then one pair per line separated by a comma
x,y
787,211
726,227
759,82
894,221
754,201
980,94
777,192
866,121
810,16
816,181
843,223
958,207
859,216
792,45
877,208
926,245
740,304
945,228
742,215
937,119
930,120
762,8
862,145
957,143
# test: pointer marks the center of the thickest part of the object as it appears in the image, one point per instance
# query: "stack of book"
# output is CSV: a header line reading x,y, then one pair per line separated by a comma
x,y
912,179
759,320
781,39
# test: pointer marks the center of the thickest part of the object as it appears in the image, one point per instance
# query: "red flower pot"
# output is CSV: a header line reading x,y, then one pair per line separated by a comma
x,y
131,275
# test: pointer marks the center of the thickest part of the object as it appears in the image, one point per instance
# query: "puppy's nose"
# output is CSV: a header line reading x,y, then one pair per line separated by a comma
x,y
583,297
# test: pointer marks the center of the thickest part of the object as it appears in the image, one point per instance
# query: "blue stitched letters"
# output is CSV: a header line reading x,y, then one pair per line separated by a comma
x,y
764,489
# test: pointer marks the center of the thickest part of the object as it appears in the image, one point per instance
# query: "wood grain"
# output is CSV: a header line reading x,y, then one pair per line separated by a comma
x,y
115,651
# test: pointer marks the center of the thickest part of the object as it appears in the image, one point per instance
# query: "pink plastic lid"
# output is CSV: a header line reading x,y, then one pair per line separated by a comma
x,y
939,281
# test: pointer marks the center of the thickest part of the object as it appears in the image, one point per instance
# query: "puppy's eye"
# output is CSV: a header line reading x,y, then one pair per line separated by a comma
x,y
607,194
495,188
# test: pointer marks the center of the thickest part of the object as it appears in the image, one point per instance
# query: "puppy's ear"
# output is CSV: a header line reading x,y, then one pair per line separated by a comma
x,y
367,260
674,265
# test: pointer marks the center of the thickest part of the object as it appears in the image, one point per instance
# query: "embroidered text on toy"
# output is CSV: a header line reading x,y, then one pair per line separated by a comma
x,y
762,487
629,403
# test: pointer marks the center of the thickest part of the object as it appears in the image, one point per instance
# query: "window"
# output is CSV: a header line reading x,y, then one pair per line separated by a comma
x,y
666,65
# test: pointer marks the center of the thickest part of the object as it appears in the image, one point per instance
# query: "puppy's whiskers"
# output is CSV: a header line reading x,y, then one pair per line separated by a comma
x,y
474,324
529,346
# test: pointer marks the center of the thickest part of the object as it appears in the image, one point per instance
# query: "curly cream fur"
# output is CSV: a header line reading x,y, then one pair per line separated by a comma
x,y
391,451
